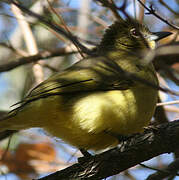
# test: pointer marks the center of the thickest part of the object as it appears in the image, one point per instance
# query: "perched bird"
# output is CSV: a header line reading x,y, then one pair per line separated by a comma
x,y
91,103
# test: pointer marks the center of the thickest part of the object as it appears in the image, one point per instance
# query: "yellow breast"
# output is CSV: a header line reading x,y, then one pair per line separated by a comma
x,y
84,123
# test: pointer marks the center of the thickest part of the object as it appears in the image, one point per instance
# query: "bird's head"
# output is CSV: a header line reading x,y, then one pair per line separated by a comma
x,y
129,35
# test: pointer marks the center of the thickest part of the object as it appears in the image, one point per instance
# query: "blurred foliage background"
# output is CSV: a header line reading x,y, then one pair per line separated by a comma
x,y
32,153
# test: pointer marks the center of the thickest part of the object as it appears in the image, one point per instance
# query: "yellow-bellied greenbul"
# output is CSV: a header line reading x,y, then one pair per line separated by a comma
x,y
93,99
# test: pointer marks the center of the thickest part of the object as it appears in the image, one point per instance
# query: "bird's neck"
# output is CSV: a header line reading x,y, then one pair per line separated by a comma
x,y
113,52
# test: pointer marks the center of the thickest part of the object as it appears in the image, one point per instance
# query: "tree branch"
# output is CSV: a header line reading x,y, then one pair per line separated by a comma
x,y
142,147
34,58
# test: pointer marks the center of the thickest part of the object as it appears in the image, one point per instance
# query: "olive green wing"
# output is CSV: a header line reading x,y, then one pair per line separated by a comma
x,y
99,74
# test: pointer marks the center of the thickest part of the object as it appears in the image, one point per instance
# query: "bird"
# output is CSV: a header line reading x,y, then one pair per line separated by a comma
x,y
96,100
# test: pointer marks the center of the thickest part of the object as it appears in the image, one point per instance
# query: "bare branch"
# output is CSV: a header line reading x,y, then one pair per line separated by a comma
x,y
26,60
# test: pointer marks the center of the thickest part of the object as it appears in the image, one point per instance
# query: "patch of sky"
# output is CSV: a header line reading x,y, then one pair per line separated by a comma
x,y
164,158
143,173
3,84
151,20
174,87
9,176
172,4
157,24
171,97
73,3
6,29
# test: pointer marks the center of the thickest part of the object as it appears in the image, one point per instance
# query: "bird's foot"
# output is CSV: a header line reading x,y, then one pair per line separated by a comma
x,y
119,137
123,140
151,128
86,155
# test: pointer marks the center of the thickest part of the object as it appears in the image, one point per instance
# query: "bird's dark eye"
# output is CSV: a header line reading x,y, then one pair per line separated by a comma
x,y
135,33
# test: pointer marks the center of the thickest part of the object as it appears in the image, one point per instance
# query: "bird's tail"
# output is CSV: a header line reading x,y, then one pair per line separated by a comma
x,y
24,116
7,122
4,125
15,120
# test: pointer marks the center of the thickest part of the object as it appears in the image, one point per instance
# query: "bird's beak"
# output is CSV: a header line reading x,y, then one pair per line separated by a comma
x,y
156,36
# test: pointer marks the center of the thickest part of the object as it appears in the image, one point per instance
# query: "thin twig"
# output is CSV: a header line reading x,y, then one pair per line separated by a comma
x,y
135,10
64,24
111,5
29,41
169,8
50,24
7,148
168,103
13,49
152,11
141,12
